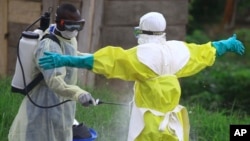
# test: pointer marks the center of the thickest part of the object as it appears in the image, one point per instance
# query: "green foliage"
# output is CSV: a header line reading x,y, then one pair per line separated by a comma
x,y
9,104
209,100
204,12
235,88
207,11
225,85
243,10
243,35
212,126
197,36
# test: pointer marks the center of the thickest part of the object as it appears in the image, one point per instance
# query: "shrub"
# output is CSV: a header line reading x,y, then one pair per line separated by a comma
x,y
226,85
243,35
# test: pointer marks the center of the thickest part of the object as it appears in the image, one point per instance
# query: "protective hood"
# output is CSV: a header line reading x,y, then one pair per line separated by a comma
x,y
155,22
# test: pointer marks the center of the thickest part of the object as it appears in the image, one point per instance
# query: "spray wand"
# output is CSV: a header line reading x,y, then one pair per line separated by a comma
x,y
98,102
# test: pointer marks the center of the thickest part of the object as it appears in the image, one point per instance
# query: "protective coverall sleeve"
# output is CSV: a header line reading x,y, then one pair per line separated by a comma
x,y
56,78
115,62
201,56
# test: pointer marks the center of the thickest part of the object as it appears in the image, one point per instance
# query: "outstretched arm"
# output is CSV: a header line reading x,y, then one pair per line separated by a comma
x,y
204,55
54,60
110,61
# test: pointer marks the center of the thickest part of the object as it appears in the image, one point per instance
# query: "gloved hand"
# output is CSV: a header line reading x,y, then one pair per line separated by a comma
x,y
231,44
86,100
55,60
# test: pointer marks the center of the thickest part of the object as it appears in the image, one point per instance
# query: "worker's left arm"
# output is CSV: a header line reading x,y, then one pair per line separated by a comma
x,y
204,55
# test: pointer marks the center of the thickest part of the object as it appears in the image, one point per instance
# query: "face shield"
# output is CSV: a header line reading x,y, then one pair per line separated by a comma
x,y
72,25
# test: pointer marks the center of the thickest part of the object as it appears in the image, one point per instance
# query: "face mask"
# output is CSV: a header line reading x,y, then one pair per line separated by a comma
x,y
69,34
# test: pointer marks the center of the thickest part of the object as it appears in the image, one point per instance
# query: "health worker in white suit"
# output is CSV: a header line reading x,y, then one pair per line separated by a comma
x,y
33,123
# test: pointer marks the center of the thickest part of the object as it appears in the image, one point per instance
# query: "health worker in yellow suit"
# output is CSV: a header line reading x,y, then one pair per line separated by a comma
x,y
155,65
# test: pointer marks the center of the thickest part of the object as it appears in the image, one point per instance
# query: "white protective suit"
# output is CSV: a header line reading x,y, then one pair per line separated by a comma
x,y
54,124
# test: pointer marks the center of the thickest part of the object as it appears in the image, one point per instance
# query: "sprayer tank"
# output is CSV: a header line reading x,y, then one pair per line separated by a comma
x,y
27,44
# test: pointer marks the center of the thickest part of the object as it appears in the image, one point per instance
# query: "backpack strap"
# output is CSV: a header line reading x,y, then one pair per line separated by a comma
x,y
39,77
52,37
30,86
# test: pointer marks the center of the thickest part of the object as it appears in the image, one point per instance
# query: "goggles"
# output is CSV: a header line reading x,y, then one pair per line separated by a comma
x,y
138,31
72,25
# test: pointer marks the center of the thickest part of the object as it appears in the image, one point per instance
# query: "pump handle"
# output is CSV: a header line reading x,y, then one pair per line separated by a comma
x,y
45,21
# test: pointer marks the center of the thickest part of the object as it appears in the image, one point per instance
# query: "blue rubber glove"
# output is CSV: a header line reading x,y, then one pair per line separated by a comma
x,y
229,45
55,60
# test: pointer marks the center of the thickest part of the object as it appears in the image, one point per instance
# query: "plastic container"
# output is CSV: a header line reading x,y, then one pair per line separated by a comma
x,y
27,45
93,136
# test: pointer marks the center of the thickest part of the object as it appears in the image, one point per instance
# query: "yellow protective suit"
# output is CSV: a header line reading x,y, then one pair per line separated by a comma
x,y
55,124
155,68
